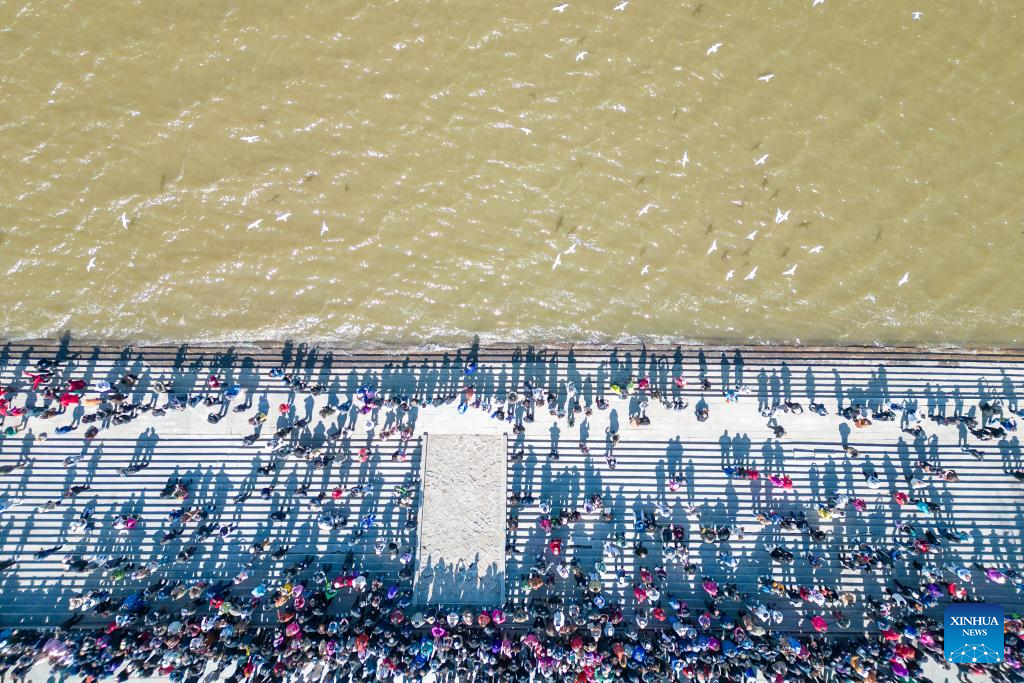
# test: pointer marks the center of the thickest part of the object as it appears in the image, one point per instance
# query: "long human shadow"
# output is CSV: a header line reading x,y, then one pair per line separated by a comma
x,y
445,584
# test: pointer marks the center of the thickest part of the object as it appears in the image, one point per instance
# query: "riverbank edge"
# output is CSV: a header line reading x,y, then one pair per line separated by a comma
x,y
385,350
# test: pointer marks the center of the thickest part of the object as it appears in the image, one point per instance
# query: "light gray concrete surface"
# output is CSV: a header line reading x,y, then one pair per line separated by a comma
x,y
461,558
987,503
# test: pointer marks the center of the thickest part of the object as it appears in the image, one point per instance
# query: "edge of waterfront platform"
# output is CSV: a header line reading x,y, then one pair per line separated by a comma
x,y
383,350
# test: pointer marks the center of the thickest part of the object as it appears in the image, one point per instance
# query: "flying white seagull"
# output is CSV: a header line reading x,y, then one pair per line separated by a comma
x,y
561,8
760,161
916,15
817,2
686,159
781,215
558,261
581,55
728,276
752,235
323,228
751,274
647,207
282,217
791,271
713,247
903,280
714,48
766,77
621,6
816,250
124,221
255,224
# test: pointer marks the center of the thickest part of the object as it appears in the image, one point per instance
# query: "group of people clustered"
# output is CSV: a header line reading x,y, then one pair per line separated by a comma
x,y
311,623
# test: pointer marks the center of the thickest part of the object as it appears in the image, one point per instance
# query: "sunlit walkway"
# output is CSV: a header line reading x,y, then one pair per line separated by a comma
x,y
380,529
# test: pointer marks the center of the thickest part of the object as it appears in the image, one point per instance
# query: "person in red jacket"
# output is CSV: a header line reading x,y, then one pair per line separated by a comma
x,y
69,399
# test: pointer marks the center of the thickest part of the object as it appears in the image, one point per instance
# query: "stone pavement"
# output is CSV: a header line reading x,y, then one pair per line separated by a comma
x,y
461,558
986,503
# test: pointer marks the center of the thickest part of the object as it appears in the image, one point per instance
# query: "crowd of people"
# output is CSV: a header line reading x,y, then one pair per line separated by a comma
x,y
311,621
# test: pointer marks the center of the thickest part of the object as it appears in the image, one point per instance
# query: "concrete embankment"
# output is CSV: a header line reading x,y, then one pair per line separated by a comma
x,y
986,503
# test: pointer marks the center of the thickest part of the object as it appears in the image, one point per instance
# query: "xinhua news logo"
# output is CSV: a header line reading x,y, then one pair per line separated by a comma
x,y
973,633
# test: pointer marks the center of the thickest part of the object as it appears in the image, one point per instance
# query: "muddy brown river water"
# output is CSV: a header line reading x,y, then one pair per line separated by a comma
x,y
417,172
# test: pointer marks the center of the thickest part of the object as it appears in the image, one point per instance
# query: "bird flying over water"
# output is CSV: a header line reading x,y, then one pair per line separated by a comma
x,y
561,8
621,6
752,235
124,221
751,274
791,271
714,48
282,217
713,247
817,2
581,55
728,276
766,77
255,224
816,250
781,215
323,228
647,207
904,279
760,161
686,159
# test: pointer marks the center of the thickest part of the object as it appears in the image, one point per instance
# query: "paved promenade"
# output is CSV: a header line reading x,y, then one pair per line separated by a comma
x,y
461,556
986,503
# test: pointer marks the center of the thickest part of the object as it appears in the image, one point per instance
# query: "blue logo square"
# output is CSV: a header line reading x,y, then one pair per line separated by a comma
x,y
973,633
